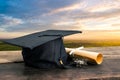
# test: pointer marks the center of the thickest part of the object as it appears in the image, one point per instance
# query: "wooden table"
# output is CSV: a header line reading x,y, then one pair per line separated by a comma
x,y
108,70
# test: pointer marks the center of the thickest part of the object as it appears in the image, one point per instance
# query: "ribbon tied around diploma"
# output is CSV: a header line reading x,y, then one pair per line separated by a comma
x,y
83,57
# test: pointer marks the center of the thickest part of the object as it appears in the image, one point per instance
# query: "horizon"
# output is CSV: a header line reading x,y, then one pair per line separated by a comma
x,y
22,17
96,35
85,35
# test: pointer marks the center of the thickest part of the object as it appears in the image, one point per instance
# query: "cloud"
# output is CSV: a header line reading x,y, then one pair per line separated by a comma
x,y
69,7
84,12
63,23
29,27
8,21
102,24
21,16
83,15
116,25
104,6
4,35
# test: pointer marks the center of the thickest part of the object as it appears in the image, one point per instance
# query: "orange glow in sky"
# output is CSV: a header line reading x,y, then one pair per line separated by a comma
x,y
19,17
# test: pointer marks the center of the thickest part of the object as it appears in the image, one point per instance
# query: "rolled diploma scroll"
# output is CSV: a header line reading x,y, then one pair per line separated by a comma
x,y
93,57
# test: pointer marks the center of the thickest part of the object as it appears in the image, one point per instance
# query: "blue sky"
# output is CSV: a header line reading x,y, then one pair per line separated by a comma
x,y
27,16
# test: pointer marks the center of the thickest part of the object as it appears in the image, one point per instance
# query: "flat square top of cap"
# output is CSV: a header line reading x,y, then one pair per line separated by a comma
x,y
39,38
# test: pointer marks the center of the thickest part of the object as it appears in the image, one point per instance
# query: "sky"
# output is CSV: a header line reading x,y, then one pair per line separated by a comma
x,y
18,17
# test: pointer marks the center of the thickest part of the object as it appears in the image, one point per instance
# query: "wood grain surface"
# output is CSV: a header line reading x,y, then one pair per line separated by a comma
x,y
12,68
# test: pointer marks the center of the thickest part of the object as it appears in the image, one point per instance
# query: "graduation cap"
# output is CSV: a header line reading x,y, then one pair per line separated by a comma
x,y
43,49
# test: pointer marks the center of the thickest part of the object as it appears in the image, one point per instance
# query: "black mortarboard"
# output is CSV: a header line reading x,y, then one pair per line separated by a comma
x,y
43,49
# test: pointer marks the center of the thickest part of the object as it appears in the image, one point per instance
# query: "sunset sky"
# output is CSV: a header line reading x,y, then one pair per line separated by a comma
x,y
18,17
